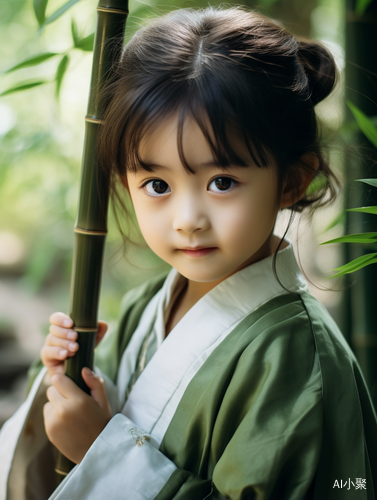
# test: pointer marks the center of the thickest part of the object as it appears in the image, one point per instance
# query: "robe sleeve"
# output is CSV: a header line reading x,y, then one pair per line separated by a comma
x,y
126,459
122,459
275,449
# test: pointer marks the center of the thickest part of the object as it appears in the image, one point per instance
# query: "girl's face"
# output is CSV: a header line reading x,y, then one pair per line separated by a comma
x,y
231,212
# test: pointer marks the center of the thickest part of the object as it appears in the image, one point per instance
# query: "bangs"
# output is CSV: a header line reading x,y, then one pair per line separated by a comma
x,y
217,119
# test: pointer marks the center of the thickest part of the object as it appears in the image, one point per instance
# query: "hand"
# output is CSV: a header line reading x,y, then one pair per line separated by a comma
x,y
73,419
60,342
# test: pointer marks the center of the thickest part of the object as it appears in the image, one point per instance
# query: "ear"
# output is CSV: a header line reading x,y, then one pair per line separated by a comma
x,y
293,193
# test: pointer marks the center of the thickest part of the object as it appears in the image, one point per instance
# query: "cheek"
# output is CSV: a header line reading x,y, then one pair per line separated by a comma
x,y
251,218
153,225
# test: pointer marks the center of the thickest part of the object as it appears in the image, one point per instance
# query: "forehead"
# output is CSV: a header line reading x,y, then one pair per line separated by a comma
x,y
161,144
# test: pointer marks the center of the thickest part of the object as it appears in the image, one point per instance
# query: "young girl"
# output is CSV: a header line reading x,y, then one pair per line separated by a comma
x,y
225,379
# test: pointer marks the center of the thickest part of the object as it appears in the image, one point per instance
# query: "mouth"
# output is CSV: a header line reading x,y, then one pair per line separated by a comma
x,y
198,251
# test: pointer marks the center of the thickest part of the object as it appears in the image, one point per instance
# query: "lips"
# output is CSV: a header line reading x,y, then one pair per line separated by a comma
x,y
195,248
198,251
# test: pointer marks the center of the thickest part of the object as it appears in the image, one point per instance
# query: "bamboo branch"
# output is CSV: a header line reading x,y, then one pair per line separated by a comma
x,y
91,225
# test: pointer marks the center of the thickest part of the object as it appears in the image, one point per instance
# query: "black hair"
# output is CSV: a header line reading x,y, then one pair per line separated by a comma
x,y
232,70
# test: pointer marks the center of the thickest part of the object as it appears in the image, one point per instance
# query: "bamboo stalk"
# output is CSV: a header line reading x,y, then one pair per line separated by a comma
x,y
361,40
91,224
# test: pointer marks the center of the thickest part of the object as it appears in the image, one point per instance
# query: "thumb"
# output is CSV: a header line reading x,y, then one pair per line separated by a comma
x,y
97,387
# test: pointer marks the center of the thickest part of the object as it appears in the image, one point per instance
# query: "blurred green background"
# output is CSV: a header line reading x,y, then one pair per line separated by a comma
x,y
41,138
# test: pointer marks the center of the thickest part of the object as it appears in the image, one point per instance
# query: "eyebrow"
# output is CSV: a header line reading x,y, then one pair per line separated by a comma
x,y
156,166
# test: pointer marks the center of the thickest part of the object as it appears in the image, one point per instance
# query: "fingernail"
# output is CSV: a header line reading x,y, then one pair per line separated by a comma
x,y
63,352
67,322
89,372
71,335
73,346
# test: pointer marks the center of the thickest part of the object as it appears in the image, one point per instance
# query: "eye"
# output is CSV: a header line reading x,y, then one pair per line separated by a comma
x,y
221,184
156,187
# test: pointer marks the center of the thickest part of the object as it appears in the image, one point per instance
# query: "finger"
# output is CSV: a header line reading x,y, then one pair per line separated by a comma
x,y
47,411
61,319
67,387
54,355
51,340
55,397
102,329
63,333
96,386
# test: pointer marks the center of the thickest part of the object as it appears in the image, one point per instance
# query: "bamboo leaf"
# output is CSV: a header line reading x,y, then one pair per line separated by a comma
x,y
63,9
364,210
365,124
23,86
356,264
33,61
354,238
371,182
361,6
60,72
75,35
40,10
86,43
319,182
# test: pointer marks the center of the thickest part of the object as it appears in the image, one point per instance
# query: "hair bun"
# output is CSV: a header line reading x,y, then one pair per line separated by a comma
x,y
320,68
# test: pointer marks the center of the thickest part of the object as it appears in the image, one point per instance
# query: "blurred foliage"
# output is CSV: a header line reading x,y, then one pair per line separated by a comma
x,y
370,131
45,53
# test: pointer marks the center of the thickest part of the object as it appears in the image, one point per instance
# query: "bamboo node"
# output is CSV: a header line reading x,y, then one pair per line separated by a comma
x,y
61,472
79,230
90,119
85,330
113,11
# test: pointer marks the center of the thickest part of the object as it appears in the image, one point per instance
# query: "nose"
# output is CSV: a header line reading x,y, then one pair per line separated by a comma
x,y
190,214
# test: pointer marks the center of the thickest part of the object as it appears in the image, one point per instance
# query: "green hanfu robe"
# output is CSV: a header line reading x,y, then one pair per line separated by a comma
x,y
277,408
259,420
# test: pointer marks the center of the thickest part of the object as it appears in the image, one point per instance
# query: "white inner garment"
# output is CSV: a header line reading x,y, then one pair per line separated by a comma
x,y
173,362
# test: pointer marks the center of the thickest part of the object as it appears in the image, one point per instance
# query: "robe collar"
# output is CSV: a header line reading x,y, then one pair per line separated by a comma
x,y
236,296
173,361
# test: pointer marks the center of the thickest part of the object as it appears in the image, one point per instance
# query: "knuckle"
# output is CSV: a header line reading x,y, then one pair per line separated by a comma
x,y
45,356
81,405
63,413
54,317
50,392
49,339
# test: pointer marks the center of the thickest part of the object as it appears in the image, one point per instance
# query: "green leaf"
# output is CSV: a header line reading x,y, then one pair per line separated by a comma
x,y
356,264
75,35
339,219
33,61
63,9
364,210
365,124
371,182
86,43
319,182
62,68
40,10
361,6
354,238
23,86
